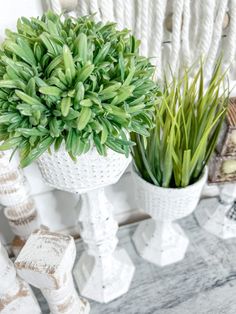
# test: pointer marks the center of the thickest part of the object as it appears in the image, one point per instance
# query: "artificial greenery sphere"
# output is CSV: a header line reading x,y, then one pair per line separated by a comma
x,y
72,81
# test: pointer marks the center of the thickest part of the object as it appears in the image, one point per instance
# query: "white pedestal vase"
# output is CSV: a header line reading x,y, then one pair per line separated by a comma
x,y
103,272
160,240
218,215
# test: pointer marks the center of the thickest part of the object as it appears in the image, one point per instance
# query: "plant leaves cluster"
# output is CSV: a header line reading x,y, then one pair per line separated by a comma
x,y
188,121
72,81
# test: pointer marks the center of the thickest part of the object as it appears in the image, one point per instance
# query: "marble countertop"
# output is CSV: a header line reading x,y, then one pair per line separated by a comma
x,y
203,283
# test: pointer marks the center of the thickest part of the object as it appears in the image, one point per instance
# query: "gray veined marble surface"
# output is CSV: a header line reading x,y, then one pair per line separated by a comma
x,y
203,283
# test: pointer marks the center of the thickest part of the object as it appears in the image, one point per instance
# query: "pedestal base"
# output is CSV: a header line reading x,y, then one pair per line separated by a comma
x,y
104,284
211,216
160,243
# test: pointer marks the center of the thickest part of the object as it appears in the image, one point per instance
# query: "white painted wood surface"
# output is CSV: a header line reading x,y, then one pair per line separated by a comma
x,y
15,294
46,262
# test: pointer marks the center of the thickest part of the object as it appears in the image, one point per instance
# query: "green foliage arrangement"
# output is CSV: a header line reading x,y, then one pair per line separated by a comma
x,y
72,81
188,122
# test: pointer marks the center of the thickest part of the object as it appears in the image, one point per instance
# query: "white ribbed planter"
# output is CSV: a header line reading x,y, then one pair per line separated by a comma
x,y
160,240
103,272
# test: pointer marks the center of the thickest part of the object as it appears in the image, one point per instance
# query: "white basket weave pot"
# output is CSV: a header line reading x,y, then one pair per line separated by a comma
x,y
159,240
103,272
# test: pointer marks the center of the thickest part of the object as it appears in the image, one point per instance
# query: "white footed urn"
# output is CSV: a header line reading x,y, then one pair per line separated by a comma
x,y
103,272
160,240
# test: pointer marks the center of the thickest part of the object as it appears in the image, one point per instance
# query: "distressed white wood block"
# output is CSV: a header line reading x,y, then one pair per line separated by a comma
x,y
103,272
46,262
160,240
17,244
15,294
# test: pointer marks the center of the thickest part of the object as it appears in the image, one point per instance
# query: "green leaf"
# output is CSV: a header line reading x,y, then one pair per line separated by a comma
x,y
37,151
30,88
82,47
30,132
28,99
50,90
21,52
79,93
10,84
85,72
10,143
68,60
102,53
65,106
86,103
84,118
100,147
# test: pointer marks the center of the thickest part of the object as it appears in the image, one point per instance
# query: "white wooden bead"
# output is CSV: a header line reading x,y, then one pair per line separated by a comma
x,y
23,218
13,188
46,262
15,294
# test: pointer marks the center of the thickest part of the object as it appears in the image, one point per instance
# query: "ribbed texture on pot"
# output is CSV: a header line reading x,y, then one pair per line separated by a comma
x,y
90,171
167,203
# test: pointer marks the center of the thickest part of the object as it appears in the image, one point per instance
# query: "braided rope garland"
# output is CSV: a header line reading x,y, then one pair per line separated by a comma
x,y
196,28
216,38
185,49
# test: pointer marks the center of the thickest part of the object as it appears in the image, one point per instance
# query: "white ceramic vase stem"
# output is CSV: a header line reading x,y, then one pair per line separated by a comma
x,y
103,272
160,240
15,294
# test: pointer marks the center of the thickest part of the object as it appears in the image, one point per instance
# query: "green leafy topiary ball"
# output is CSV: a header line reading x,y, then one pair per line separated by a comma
x,y
74,81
